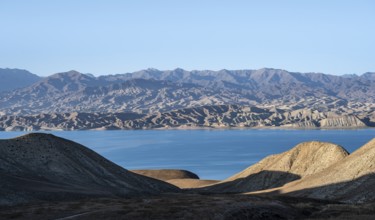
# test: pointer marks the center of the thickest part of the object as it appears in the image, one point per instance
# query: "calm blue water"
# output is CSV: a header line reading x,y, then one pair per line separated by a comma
x,y
212,154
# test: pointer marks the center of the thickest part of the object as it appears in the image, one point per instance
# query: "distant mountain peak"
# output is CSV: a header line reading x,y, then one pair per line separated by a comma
x,y
16,78
179,70
369,75
68,73
73,75
151,70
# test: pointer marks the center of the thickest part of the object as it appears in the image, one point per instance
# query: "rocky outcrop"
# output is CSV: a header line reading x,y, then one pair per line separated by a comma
x,y
273,171
42,167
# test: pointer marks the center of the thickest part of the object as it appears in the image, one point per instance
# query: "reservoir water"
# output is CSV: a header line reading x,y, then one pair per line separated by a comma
x,y
212,154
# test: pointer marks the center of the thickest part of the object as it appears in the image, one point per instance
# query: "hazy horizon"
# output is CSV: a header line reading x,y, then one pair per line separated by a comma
x,y
189,70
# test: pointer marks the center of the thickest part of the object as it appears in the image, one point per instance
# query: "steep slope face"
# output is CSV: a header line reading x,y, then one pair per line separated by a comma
x,y
350,180
38,167
11,79
276,170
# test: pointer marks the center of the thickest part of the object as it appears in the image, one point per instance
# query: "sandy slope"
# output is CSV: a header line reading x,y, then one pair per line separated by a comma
x,y
276,170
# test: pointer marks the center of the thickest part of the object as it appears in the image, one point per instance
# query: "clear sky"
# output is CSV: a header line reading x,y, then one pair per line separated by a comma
x,y
109,36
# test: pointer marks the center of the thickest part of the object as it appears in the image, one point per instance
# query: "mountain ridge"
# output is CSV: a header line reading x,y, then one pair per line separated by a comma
x,y
153,91
11,79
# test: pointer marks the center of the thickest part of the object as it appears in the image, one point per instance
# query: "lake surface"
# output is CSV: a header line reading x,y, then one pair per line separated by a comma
x,y
212,154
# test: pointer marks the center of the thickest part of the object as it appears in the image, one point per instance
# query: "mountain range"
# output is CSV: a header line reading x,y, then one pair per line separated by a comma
x,y
151,92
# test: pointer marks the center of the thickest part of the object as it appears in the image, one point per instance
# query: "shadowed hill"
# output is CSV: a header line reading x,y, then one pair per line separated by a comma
x,y
38,167
276,170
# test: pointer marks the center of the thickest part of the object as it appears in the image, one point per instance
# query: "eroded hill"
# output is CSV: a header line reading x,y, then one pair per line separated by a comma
x,y
221,116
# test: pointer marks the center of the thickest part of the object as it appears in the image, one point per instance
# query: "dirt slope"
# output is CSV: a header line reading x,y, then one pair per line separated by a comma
x,y
43,167
276,170
351,180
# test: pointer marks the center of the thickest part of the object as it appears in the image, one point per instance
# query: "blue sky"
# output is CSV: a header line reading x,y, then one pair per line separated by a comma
x,y
109,36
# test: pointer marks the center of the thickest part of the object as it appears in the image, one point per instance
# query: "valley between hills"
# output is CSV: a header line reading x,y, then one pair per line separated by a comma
x,y
151,98
47,177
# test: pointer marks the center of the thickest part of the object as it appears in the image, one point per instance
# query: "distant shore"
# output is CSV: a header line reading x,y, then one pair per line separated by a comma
x,y
194,128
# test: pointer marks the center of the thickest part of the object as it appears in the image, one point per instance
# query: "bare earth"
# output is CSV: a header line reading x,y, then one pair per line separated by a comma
x,y
46,177
191,206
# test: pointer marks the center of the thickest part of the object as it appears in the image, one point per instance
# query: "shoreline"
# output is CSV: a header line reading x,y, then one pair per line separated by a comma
x,y
197,128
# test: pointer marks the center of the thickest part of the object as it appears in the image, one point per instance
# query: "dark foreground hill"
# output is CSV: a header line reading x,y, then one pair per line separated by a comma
x,y
43,167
